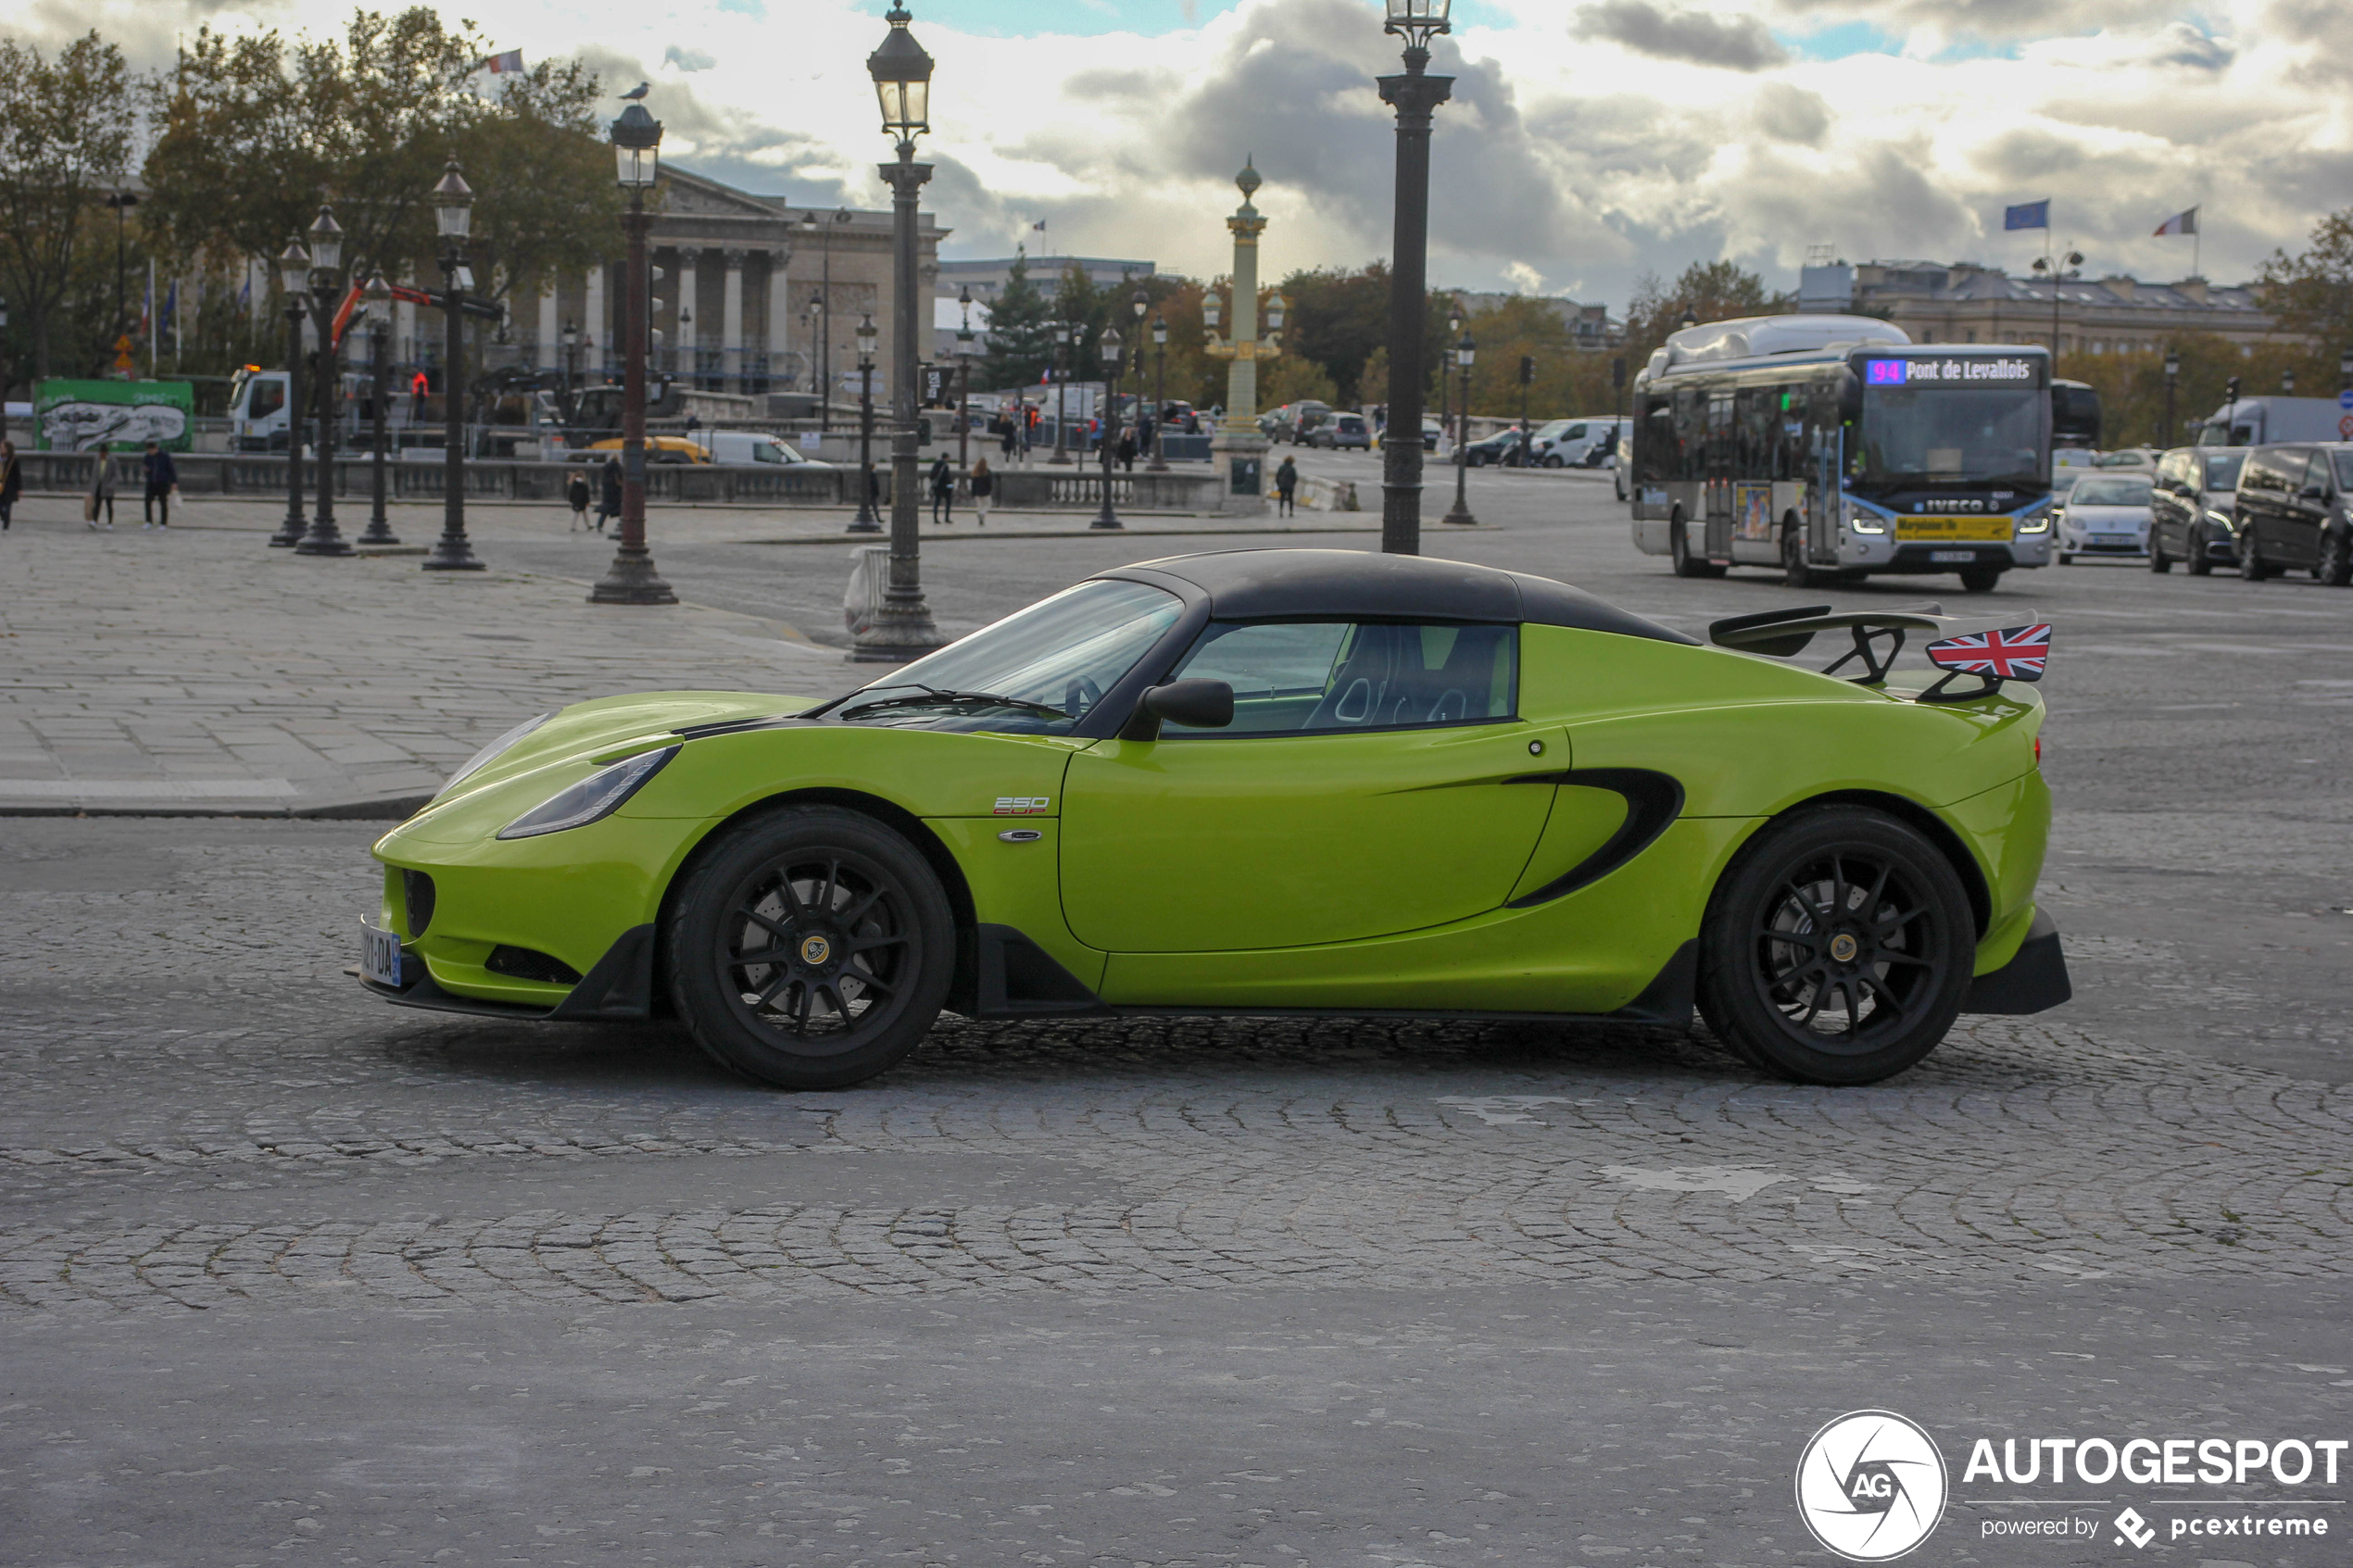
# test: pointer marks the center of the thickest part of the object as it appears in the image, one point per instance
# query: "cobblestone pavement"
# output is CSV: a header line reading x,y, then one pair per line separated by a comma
x,y
461,1291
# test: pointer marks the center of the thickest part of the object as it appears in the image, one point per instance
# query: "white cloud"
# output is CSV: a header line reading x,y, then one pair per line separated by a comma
x,y
1564,156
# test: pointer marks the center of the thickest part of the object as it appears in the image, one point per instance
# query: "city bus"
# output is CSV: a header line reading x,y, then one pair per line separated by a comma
x,y
1833,446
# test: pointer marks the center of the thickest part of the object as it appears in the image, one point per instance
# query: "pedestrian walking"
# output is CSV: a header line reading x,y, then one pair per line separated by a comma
x,y
1127,450
1285,487
984,490
576,492
610,508
162,478
1007,430
11,482
943,490
418,386
101,495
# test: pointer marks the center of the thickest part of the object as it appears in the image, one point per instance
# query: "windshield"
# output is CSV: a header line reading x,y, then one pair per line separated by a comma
x,y
2109,490
2222,473
1914,435
1035,672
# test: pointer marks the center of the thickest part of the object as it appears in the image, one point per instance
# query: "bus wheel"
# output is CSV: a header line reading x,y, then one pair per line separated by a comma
x,y
1794,569
1679,546
1980,579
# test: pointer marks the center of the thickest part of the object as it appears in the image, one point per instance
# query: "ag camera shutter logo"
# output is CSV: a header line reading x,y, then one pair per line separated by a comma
x,y
1870,1486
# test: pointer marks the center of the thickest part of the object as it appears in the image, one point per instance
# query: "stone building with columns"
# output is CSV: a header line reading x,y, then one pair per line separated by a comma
x,y
755,295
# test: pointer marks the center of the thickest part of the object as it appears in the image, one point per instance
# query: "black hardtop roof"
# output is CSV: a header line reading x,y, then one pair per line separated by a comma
x,y
1267,585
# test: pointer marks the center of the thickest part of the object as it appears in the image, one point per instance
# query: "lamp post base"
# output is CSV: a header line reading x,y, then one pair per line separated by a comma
x,y
289,534
323,539
898,635
632,580
378,532
1241,454
452,555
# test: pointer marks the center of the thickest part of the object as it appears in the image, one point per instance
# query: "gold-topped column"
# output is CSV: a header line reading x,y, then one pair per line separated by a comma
x,y
1237,448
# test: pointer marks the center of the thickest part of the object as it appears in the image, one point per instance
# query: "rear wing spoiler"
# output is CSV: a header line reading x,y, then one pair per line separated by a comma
x,y
2017,653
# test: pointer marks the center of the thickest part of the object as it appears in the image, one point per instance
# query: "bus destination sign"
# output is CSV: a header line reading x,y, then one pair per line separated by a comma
x,y
1953,370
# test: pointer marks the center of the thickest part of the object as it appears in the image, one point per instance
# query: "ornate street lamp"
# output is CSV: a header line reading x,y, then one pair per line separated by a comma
x,y
1065,337
1445,364
453,207
866,522
1689,320
378,297
1160,395
326,287
632,580
901,628
2172,371
1461,515
294,276
2058,271
1414,94
571,340
1105,517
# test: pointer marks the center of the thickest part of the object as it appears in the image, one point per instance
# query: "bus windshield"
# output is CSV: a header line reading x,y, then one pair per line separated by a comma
x,y
1924,435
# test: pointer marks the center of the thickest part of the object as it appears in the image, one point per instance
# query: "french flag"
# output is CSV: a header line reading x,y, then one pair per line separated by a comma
x,y
510,60
2180,223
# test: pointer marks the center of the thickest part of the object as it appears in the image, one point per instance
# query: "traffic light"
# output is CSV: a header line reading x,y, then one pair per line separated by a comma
x,y
1618,371
2230,390
1527,368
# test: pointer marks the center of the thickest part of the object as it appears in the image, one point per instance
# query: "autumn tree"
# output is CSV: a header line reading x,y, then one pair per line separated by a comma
x,y
1712,291
66,126
2310,293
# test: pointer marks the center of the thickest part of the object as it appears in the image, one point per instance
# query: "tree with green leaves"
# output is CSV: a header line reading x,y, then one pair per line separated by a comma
x,y
1711,291
2310,292
1021,331
252,133
65,141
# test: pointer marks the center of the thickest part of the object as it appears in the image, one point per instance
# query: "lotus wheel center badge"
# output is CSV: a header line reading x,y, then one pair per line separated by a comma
x,y
815,950
1843,948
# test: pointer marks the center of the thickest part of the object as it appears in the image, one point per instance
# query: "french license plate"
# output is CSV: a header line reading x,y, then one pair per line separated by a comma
x,y
1962,556
1991,530
380,955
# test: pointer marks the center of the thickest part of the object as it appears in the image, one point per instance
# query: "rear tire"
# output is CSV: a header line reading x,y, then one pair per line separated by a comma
x,y
1837,948
810,949
1679,551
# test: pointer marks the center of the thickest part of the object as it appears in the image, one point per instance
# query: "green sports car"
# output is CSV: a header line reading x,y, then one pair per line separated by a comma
x,y
1256,783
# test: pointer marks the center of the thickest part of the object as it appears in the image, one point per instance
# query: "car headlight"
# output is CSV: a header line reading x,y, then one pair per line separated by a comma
x,y
1864,521
599,795
492,752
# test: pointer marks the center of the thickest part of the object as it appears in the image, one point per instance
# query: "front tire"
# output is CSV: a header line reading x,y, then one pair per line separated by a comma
x,y
811,948
1837,948
2252,566
1985,579
2160,561
2198,563
1795,571
2336,566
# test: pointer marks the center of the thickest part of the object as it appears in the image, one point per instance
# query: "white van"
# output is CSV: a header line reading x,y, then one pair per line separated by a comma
x,y
752,448
1571,444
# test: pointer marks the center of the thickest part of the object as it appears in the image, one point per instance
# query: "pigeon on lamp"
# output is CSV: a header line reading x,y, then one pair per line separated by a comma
x,y
637,95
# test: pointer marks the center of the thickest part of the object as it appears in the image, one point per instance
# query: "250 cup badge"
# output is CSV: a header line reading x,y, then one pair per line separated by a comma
x,y
1870,1486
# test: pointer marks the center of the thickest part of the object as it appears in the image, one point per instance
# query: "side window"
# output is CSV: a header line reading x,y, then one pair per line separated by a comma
x,y
1333,677
269,396
2317,476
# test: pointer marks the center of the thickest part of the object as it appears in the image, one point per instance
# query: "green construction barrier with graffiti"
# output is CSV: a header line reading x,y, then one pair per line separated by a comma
x,y
122,416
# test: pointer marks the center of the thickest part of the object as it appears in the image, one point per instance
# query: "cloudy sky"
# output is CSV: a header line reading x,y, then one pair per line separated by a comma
x,y
1589,141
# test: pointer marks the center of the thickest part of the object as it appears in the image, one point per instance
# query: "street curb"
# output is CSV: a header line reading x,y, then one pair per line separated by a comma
x,y
930,537
381,809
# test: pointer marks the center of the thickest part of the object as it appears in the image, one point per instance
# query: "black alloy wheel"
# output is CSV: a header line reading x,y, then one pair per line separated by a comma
x,y
1679,551
811,948
1838,948
2198,562
2335,565
2252,566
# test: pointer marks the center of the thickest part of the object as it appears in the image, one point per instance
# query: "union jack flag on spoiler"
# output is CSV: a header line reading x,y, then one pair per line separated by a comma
x,y
2015,653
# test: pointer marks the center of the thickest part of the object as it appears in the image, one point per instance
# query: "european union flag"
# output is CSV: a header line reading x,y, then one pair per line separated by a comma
x,y
2028,215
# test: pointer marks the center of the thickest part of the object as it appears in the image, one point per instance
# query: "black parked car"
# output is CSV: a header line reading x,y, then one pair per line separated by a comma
x,y
1502,449
2190,508
2291,511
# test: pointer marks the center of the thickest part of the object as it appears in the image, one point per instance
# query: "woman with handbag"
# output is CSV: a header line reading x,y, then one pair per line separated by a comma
x,y
101,495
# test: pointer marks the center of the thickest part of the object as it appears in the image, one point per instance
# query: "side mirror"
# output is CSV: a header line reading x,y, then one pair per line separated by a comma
x,y
1197,705
2314,493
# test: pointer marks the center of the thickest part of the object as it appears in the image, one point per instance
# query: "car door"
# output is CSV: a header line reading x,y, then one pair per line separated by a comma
x,y
2307,509
1366,787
